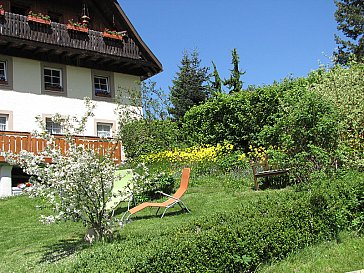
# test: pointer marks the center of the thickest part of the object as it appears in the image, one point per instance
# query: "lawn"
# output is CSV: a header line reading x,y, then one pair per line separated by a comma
x,y
26,245
328,257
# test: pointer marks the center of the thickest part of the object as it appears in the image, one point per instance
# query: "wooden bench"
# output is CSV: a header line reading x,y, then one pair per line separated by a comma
x,y
262,169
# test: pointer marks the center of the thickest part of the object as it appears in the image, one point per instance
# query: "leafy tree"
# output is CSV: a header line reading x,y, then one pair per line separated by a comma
x,y
144,125
148,102
189,85
78,186
234,83
344,87
350,18
144,136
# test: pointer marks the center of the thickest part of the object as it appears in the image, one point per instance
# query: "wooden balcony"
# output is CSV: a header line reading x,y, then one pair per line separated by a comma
x,y
17,141
54,42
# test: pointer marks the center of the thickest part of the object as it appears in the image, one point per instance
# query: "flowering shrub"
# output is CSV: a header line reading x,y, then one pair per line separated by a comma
x,y
145,184
78,185
190,155
203,160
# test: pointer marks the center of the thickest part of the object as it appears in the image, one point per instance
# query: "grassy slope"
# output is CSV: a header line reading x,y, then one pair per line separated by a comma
x,y
28,246
25,242
329,257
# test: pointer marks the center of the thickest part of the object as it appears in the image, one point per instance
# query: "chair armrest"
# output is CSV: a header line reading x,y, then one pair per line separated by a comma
x,y
170,196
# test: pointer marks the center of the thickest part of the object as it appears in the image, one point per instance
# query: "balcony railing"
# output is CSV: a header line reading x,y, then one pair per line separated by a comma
x,y
17,26
17,141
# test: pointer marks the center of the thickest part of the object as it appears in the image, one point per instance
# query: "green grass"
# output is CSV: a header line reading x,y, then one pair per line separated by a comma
x,y
26,245
25,242
329,257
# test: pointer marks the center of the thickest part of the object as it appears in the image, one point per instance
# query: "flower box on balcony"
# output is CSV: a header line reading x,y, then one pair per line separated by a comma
x,y
77,28
38,20
112,35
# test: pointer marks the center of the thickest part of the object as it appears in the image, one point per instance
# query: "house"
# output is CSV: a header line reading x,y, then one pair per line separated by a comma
x,y
55,53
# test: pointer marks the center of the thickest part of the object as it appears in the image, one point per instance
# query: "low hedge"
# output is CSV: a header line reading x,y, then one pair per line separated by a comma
x,y
271,227
261,228
240,240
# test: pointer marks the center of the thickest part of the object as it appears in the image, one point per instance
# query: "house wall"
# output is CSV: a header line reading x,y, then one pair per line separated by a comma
x,y
26,76
79,82
25,100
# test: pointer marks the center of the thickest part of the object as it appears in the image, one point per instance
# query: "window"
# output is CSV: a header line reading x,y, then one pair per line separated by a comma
x,y
3,122
6,120
3,76
53,79
6,72
104,129
53,127
101,85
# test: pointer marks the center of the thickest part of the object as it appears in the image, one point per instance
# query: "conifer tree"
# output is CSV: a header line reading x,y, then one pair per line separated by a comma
x,y
189,85
350,18
216,84
234,83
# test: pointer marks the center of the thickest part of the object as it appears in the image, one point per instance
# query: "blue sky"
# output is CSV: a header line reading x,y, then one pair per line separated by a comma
x,y
274,39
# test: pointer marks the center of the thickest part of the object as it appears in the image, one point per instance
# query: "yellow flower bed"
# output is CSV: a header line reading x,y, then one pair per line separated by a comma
x,y
190,155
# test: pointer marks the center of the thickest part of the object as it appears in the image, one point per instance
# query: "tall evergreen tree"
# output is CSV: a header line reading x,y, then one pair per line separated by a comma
x,y
189,85
216,84
350,18
234,83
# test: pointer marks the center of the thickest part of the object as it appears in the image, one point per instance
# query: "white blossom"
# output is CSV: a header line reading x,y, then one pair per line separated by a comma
x,y
79,184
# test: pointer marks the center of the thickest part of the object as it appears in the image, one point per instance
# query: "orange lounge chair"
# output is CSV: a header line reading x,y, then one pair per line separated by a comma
x,y
171,202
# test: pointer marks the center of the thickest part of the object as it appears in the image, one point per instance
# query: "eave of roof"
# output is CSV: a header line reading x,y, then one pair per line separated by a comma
x,y
148,54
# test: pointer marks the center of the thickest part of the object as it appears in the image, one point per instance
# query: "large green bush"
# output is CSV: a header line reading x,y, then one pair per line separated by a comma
x,y
146,136
236,118
306,128
146,183
344,87
301,123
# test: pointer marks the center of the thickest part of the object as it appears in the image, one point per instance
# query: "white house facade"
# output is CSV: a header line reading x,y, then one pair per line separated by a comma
x,y
25,95
53,54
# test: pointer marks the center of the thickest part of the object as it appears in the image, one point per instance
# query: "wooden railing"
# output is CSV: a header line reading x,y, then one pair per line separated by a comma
x,y
17,141
15,25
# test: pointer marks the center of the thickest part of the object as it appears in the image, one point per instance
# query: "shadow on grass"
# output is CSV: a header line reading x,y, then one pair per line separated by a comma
x,y
62,249
154,215
120,211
